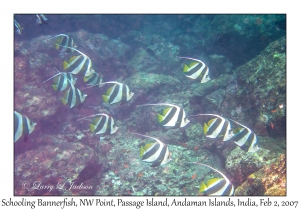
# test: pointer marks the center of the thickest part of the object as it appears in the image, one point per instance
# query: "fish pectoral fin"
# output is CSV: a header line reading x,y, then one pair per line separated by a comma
x,y
205,128
66,65
160,118
186,68
105,98
92,127
203,187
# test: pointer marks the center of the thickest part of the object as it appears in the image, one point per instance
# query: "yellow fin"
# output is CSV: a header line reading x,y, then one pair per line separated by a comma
x,y
105,98
66,65
73,58
92,127
54,87
212,181
211,121
109,90
166,110
186,68
205,128
97,119
203,187
147,146
142,151
193,64
160,118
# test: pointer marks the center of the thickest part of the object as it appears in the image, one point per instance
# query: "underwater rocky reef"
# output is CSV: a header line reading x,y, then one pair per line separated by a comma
x,y
246,56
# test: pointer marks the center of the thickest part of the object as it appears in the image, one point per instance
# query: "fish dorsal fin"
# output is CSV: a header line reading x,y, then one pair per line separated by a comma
x,y
166,110
193,64
211,121
212,181
186,68
203,187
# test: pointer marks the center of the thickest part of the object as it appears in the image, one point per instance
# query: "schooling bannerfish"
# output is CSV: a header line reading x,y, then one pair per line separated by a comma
x,y
94,79
217,127
73,96
119,92
156,153
64,43
78,64
246,139
173,116
22,126
196,69
216,186
104,124
62,80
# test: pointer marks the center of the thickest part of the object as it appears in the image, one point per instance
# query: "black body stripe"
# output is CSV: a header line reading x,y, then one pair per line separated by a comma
x,y
169,116
100,125
151,152
248,143
114,93
213,127
224,128
228,189
240,135
195,69
215,188
160,158
16,122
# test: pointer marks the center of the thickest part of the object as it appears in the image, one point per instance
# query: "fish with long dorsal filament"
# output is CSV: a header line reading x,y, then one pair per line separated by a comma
x,y
22,126
104,124
62,80
156,153
196,69
119,92
64,43
217,127
216,186
173,116
245,138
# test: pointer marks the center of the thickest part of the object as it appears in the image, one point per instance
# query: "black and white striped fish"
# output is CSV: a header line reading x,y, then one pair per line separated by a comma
x,y
173,116
246,139
41,19
64,43
119,92
78,64
63,81
104,124
18,27
156,153
73,96
216,186
93,80
22,126
217,127
196,69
